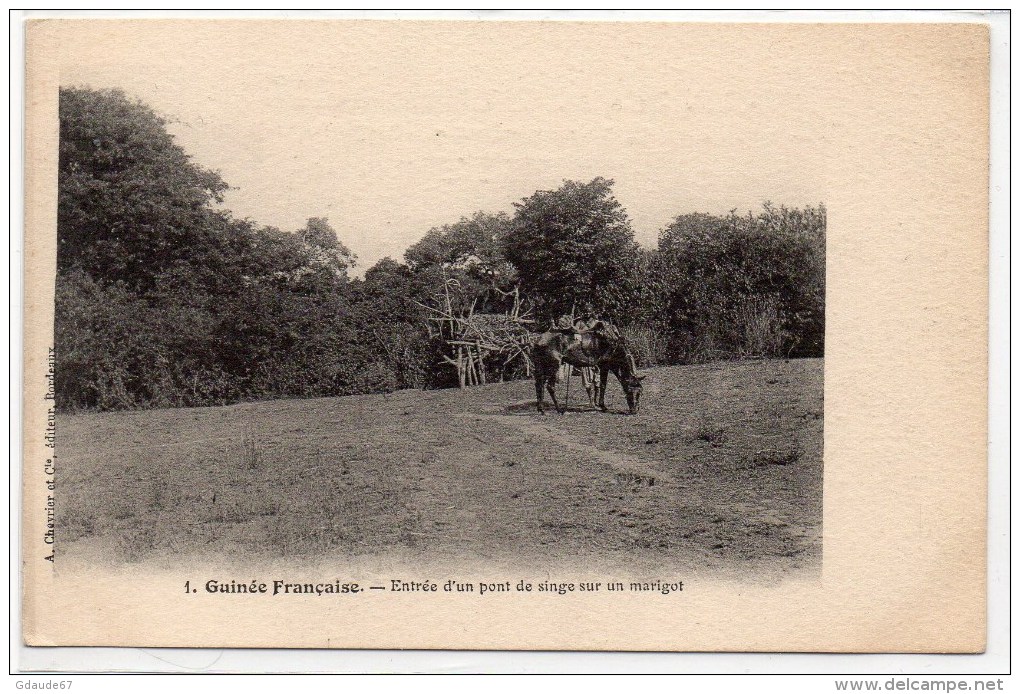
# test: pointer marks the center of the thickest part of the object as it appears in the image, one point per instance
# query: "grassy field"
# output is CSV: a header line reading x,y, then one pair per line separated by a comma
x,y
721,470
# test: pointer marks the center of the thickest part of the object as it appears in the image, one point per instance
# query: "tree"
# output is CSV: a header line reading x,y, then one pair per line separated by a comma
x,y
130,201
470,251
395,345
163,300
325,249
472,244
574,249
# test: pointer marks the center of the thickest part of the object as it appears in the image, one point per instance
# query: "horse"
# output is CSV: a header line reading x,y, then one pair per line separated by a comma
x,y
601,348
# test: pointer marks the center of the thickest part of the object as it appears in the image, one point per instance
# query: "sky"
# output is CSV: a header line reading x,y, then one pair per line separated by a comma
x,y
391,128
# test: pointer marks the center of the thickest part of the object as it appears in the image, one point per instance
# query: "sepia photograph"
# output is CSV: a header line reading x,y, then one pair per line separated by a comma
x,y
367,381
441,323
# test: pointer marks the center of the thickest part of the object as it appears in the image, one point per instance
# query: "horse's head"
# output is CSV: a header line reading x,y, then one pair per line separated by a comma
x,y
632,387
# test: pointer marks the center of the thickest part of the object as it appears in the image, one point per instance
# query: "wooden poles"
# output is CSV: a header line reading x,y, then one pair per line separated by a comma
x,y
480,342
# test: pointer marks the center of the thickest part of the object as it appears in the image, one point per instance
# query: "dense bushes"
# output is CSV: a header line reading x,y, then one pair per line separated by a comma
x,y
751,285
163,300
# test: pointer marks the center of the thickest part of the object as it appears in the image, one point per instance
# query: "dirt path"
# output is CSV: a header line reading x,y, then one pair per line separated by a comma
x,y
627,467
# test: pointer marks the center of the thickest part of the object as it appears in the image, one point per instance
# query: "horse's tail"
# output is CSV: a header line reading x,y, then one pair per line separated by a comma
x,y
633,364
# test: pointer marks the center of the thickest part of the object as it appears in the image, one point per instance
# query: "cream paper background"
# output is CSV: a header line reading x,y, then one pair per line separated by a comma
x,y
902,130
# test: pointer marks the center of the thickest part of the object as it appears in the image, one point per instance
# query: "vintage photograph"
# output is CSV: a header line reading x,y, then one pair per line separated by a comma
x,y
394,333
420,311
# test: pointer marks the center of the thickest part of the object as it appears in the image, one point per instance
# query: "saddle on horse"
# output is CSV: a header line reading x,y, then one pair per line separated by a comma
x,y
575,327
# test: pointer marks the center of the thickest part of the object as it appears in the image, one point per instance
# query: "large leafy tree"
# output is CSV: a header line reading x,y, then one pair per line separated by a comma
x,y
470,251
325,250
162,299
574,249
131,202
473,243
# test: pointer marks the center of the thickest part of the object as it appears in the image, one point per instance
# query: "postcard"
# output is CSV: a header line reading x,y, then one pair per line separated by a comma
x,y
525,335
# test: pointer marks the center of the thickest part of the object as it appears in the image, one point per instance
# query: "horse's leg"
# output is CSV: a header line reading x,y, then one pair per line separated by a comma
x,y
539,383
551,387
626,391
616,372
603,379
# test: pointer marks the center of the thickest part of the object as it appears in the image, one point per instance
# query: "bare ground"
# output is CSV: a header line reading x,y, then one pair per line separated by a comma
x,y
722,470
